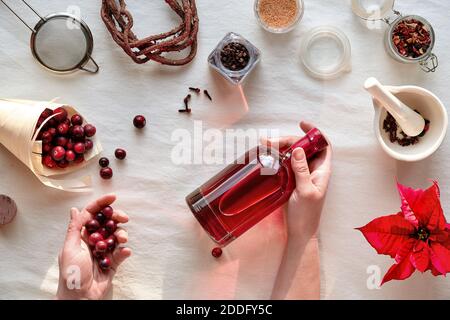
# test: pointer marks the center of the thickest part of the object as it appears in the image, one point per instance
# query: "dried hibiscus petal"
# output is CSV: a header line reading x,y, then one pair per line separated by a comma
x,y
411,38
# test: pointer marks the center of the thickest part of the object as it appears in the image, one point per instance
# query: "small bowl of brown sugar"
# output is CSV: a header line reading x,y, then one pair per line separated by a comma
x,y
279,16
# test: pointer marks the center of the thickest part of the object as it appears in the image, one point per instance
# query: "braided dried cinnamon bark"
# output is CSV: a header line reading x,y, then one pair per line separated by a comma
x,y
119,22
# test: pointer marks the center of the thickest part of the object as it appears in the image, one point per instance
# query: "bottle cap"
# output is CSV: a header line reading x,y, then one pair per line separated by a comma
x,y
317,140
312,143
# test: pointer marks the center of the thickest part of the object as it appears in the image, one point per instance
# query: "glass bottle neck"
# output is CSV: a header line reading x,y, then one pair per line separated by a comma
x,y
312,143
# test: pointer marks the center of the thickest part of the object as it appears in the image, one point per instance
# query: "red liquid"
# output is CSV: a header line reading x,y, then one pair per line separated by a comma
x,y
247,191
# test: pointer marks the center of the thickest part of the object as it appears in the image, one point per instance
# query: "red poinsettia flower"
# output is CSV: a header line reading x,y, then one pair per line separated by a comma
x,y
418,237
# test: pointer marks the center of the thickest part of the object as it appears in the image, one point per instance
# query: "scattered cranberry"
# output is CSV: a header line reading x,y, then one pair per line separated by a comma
x,y
120,154
76,120
103,162
60,114
89,130
88,144
101,246
94,238
63,128
108,212
100,217
106,173
49,162
61,141
110,226
216,252
111,243
92,226
139,121
105,263
70,155
79,147
58,153
77,132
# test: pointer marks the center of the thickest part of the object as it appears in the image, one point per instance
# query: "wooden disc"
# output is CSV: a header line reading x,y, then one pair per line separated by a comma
x,y
8,209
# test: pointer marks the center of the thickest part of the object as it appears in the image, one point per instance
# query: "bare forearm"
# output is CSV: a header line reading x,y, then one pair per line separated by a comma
x,y
299,274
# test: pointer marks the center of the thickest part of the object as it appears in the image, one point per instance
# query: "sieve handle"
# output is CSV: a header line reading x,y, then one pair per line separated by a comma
x,y
20,18
94,70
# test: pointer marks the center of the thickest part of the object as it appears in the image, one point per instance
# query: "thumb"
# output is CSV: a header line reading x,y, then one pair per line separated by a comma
x,y
301,170
73,236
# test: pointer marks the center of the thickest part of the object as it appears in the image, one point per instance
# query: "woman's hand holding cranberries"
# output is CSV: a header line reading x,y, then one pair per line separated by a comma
x,y
90,256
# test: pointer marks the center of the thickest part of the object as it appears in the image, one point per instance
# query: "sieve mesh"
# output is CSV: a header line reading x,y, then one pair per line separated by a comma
x,y
61,43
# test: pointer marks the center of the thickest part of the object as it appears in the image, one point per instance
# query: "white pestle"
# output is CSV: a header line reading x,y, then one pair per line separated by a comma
x,y
409,121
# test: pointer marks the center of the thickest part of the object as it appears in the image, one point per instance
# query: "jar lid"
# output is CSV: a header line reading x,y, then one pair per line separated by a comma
x,y
326,52
372,10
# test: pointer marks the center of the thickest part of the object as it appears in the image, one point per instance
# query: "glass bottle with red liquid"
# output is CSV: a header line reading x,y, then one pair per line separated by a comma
x,y
249,189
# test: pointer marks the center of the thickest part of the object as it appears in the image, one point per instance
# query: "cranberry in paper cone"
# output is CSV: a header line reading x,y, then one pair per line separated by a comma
x,y
18,133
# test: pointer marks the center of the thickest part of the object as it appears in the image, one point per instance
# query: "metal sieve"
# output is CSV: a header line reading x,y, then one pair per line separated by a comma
x,y
61,42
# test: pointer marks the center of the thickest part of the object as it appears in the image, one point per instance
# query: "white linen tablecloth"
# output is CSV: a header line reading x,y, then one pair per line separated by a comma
x,y
171,257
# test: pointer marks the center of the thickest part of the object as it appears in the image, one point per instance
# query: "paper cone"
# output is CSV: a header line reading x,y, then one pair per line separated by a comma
x,y
18,119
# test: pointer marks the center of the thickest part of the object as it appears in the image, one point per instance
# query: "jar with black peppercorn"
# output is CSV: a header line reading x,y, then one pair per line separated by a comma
x,y
234,58
409,38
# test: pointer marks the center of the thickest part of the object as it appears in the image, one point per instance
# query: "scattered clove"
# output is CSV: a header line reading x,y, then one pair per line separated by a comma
x,y
186,101
196,90
207,94
186,104
188,98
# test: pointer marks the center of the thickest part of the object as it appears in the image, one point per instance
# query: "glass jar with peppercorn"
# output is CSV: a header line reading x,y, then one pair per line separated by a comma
x,y
234,58
409,38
